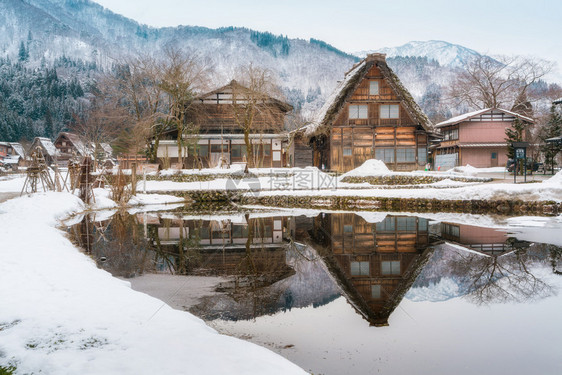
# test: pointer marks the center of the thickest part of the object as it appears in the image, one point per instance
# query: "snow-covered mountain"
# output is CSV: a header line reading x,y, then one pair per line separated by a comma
x,y
307,70
446,54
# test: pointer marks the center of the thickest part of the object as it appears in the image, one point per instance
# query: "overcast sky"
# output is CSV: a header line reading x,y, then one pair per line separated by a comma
x,y
488,26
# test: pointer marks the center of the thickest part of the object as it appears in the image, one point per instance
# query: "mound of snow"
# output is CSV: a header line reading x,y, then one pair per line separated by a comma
x,y
467,170
371,167
555,180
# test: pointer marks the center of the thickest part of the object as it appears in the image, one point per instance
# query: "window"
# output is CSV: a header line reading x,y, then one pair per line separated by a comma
x,y
385,154
239,231
406,223
494,155
376,291
405,155
260,150
390,267
450,230
360,268
238,151
347,151
374,88
422,155
348,228
204,233
387,225
422,224
358,111
217,148
390,111
203,151
450,134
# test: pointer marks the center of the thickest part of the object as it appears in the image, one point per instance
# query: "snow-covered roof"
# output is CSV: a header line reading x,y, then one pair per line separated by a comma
x,y
12,159
107,148
80,146
46,144
557,101
18,149
347,87
469,115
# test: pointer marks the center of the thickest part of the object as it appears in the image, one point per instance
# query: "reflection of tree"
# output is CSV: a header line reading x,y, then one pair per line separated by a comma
x,y
504,278
555,254
118,245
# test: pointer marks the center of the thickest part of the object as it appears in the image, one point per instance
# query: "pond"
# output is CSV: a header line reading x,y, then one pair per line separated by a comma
x,y
353,293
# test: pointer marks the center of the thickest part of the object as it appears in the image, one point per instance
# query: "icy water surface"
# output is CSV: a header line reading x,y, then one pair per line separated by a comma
x,y
354,293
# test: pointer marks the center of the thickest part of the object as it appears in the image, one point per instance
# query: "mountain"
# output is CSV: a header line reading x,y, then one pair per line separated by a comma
x,y
446,54
79,38
81,29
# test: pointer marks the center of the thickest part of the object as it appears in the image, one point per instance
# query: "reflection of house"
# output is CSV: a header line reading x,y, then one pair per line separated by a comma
x,y
223,246
370,115
487,240
476,138
220,136
375,263
47,147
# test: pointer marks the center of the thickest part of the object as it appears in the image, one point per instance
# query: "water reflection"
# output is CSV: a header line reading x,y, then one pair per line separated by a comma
x,y
273,264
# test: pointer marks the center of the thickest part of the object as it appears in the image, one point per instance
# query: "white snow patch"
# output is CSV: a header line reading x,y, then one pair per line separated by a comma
x,y
369,168
467,170
63,315
528,221
144,199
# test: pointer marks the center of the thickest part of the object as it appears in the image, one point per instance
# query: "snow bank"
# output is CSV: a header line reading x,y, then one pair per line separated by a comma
x,y
525,192
144,199
371,167
60,314
555,180
467,170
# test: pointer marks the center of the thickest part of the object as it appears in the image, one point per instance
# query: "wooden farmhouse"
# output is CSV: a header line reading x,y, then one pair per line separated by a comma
x,y
69,145
370,115
374,263
476,138
47,148
12,154
217,116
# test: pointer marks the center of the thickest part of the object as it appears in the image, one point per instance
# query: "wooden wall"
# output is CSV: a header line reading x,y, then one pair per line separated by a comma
x,y
364,136
211,117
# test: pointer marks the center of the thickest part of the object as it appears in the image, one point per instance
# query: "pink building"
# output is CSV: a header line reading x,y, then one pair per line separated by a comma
x,y
476,138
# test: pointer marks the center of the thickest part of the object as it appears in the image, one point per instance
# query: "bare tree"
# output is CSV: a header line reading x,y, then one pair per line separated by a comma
x,y
256,110
157,93
134,85
183,76
105,120
498,82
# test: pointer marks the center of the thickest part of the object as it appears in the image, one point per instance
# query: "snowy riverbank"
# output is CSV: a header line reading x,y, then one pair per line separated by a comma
x,y
60,314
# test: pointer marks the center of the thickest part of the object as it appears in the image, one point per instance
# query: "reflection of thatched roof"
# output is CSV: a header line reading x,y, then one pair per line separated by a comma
x,y
345,89
380,317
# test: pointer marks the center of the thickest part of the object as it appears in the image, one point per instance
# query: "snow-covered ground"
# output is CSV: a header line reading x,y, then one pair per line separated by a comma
x,y
60,314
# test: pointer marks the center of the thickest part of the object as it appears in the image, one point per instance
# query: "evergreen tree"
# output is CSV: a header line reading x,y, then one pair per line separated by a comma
x,y
553,128
515,134
23,54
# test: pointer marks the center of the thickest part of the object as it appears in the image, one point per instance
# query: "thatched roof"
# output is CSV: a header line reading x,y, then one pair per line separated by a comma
x,y
78,144
345,89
